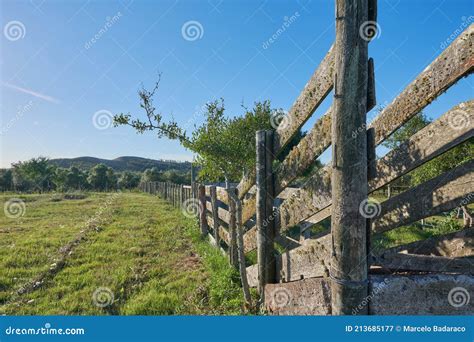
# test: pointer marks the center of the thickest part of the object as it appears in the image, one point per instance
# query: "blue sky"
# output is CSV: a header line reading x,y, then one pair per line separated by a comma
x,y
54,77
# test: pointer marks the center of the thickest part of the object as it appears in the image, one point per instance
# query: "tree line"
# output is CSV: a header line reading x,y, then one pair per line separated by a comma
x,y
39,175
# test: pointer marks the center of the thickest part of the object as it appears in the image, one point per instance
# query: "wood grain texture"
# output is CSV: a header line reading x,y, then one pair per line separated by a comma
x,y
250,240
246,183
222,231
451,129
303,155
455,62
314,92
424,263
222,195
307,261
312,197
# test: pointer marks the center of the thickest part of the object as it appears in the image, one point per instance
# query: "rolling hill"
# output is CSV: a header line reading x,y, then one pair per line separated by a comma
x,y
126,163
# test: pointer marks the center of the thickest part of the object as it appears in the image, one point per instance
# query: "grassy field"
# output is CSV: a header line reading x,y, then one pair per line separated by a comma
x,y
127,253
110,253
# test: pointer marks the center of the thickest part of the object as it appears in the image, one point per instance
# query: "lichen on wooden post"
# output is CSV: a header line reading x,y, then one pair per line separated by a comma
x,y
202,210
233,253
349,160
215,216
265,219
240,246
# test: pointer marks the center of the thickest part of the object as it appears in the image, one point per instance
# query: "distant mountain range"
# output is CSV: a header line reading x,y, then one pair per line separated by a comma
x,y
122,163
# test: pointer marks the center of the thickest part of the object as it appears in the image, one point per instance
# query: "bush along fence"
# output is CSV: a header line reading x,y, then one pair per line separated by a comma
x,y
338,271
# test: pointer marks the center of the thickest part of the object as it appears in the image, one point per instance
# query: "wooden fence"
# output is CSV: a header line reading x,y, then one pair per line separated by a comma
x,y
337,271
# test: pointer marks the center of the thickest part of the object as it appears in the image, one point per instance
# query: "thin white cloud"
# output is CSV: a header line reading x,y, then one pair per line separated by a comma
x,y
31,92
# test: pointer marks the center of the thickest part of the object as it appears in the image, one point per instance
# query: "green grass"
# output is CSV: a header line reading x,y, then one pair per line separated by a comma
x,y
436,225
139,250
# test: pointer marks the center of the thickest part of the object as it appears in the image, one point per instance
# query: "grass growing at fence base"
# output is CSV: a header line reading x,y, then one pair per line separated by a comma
x,y
139,253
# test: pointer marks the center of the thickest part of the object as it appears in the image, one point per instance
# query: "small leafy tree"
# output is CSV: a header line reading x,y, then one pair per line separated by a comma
x,y
6,179
225,147
75,179
151,175
35,174
128,180
98,177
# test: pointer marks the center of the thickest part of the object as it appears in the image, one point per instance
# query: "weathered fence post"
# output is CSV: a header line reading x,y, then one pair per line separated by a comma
x,y
215,216
171,193
349,165
193,181
181,196
240,246
371,173
233,253
265,219
171,186
202,210
174,195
